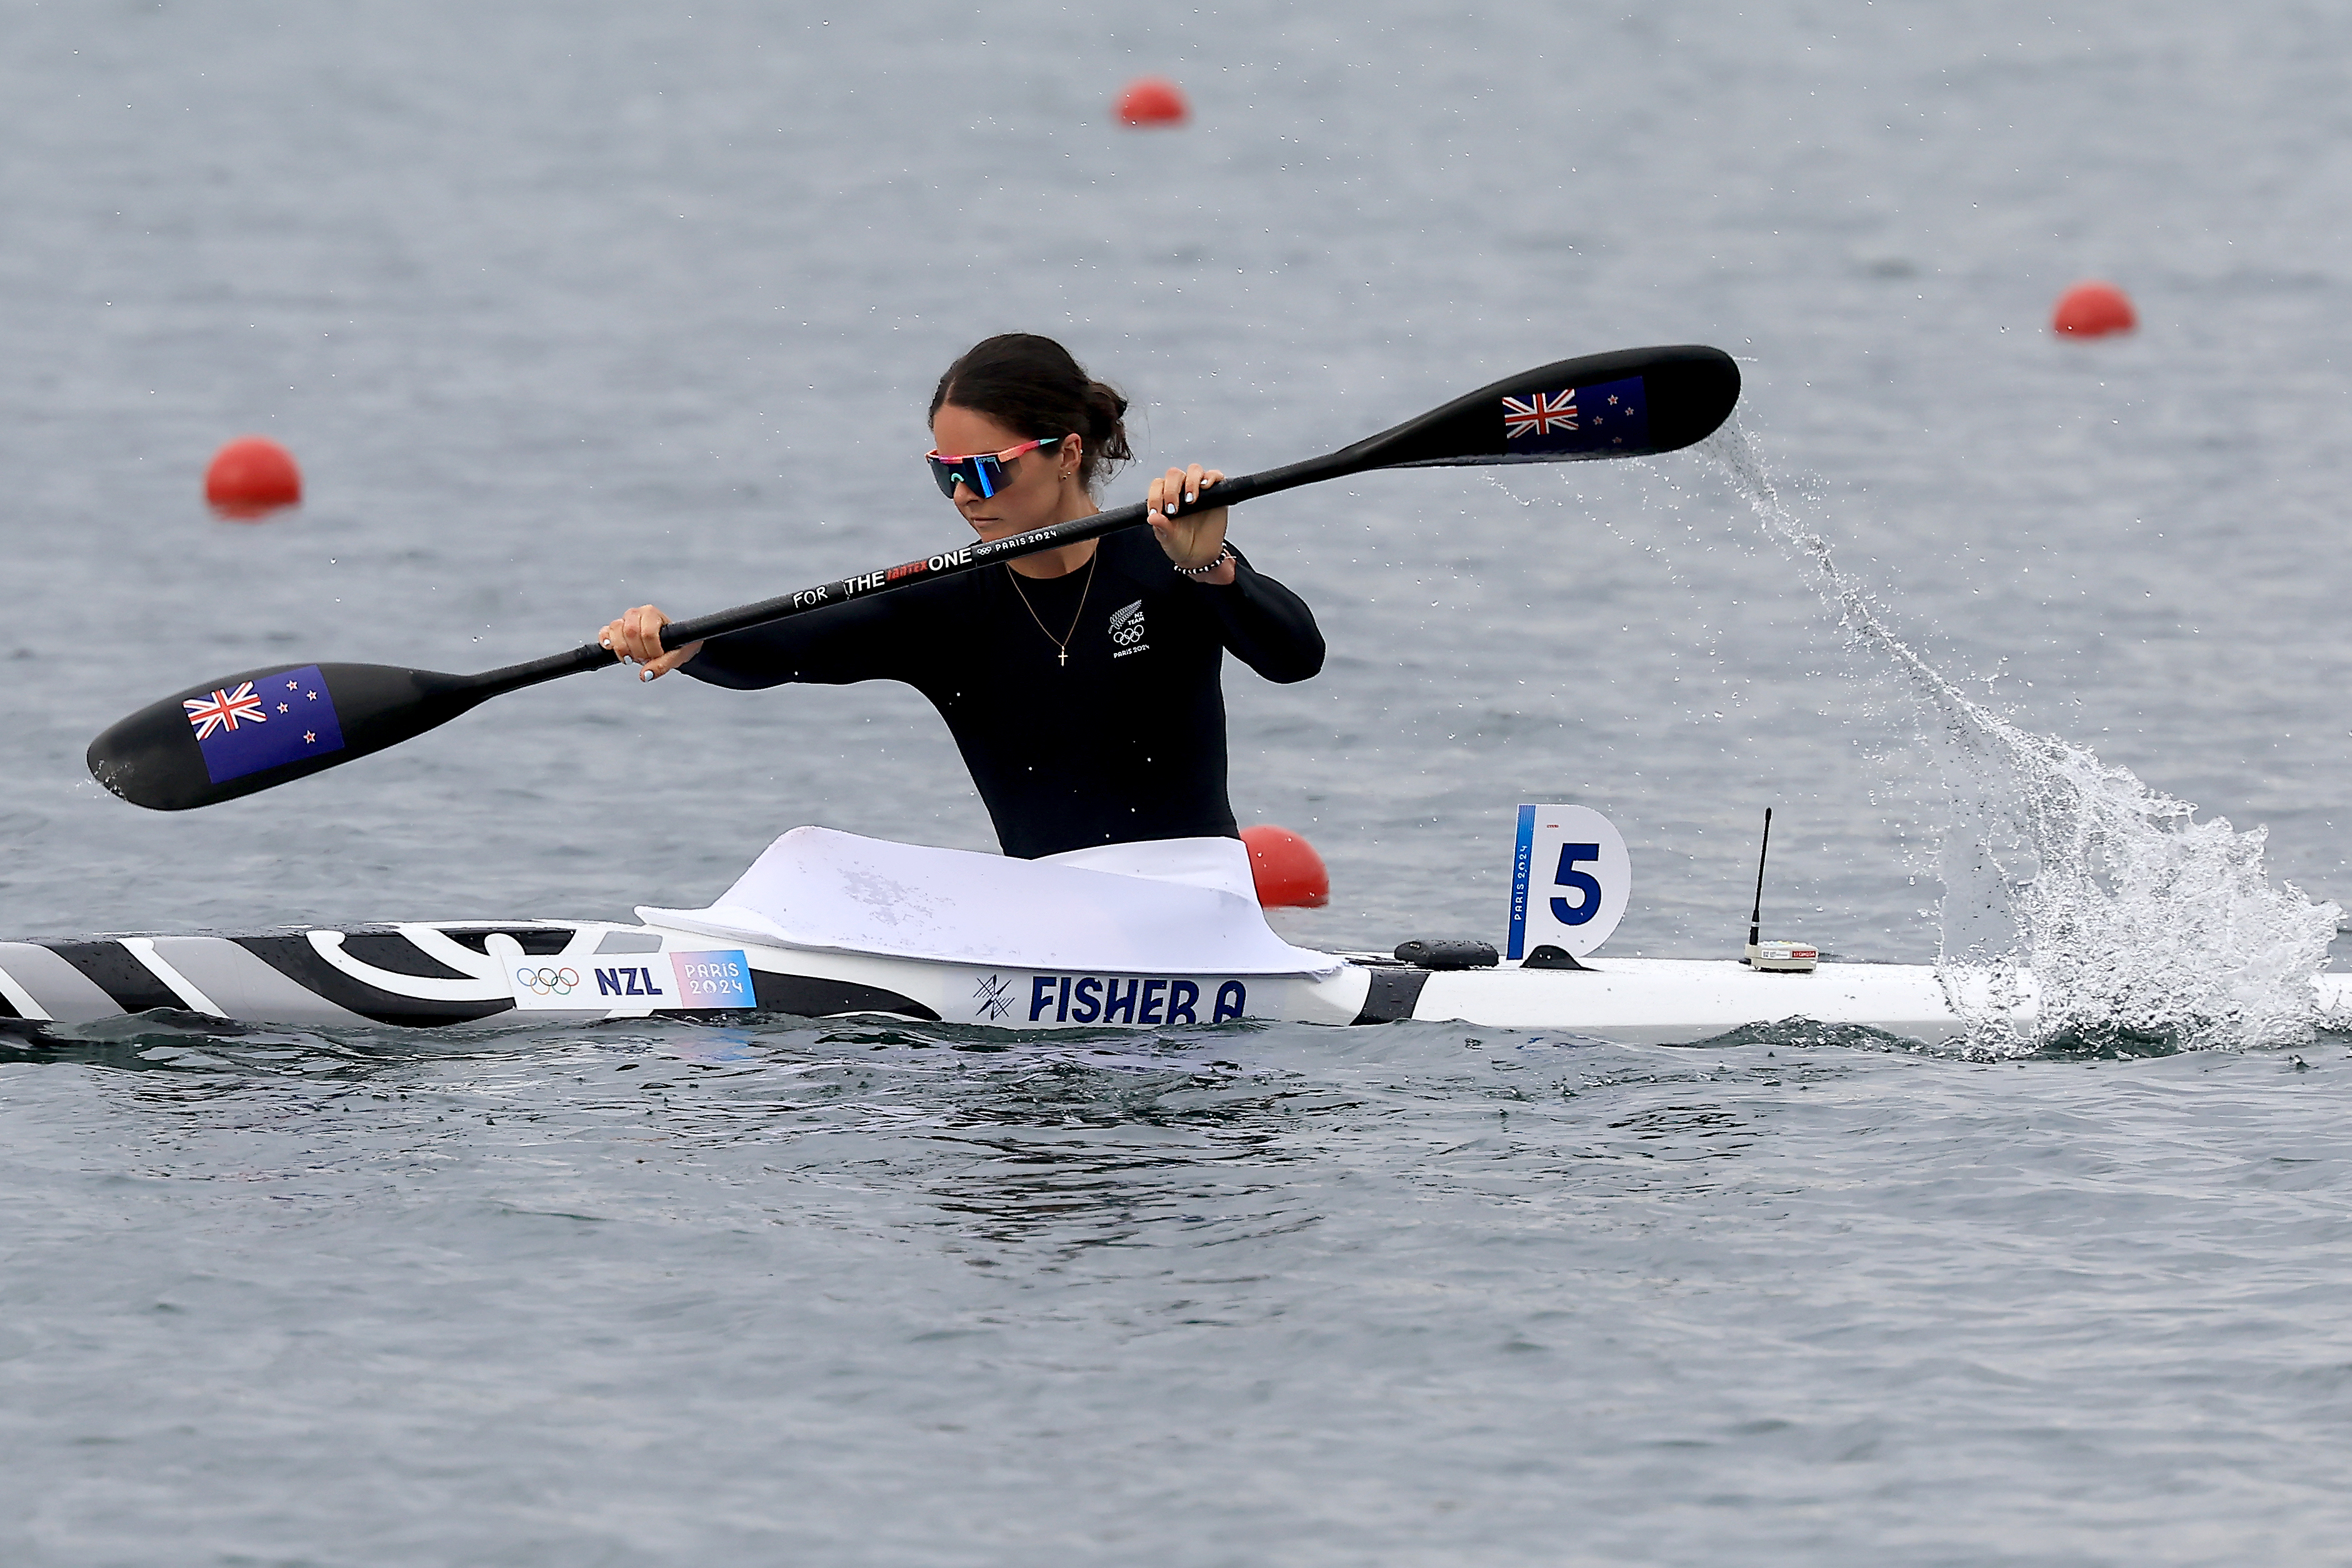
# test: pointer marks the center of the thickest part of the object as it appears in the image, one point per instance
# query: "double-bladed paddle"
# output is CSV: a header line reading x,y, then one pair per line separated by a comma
x,y
261,727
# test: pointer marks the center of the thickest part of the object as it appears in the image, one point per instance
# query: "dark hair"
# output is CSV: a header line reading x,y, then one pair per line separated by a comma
x,y
1031,384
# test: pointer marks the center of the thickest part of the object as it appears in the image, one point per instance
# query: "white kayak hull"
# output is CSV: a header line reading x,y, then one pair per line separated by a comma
x,y
439,973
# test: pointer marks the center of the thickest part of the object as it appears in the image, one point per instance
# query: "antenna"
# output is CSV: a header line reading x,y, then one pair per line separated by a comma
x,y
1755,916
1773,957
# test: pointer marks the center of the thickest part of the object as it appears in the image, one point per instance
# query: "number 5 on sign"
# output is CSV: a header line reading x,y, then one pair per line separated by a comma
x,y
1569,880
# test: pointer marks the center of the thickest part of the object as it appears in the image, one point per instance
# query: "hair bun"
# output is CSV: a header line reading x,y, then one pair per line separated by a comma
x,y
1108,435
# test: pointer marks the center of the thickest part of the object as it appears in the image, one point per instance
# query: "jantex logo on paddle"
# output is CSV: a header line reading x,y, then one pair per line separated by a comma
x,y
266,723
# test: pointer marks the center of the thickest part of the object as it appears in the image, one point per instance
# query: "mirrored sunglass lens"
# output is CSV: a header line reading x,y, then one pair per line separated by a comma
x,y
983,475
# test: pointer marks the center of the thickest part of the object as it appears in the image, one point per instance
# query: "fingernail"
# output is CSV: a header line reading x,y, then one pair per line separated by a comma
x,y
1192,495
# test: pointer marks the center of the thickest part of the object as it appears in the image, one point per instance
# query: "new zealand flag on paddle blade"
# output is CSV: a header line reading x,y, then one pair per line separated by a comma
x,y
1608,416
265,723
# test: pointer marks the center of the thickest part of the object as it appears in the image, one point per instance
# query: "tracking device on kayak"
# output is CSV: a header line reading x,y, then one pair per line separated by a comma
x,y
1773,957
1570,880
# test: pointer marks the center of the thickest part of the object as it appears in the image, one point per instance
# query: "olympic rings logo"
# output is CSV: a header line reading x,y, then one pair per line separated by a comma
x,y
547,982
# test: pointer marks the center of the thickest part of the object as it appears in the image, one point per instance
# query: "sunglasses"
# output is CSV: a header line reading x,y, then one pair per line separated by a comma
x,y
982,473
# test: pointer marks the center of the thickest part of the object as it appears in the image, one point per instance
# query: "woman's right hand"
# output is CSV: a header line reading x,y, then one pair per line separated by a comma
x,y
637,638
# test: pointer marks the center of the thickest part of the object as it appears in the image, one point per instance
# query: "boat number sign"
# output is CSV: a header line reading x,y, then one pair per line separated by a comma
x,y
1570,880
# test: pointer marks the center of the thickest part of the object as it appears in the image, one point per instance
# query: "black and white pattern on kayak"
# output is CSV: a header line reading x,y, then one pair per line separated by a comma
x,y
426,974
429,974
420,975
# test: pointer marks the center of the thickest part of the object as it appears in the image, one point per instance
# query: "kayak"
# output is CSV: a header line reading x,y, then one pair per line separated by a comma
x,y
436,973
828,925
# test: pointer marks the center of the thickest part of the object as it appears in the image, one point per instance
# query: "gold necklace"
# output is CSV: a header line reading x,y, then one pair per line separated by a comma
x,y
1061,643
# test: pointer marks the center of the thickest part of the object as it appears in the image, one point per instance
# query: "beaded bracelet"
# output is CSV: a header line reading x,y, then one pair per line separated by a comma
x,y
1224,553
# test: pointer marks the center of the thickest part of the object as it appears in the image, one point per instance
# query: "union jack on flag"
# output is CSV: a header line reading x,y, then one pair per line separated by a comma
x,y
1539,415
222,709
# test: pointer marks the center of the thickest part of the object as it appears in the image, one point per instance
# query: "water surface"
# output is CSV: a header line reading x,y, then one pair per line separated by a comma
x,y
568,307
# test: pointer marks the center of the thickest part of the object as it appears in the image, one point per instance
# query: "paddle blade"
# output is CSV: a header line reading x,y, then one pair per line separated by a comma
x,y
1632,403
262,728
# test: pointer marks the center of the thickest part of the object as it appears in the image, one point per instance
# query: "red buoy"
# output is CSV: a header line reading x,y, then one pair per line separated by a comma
x,y
1153,100
1288,873
251,477
2093,311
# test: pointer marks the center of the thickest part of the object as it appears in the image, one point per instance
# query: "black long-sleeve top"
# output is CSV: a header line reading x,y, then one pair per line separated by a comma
x,y
1125,741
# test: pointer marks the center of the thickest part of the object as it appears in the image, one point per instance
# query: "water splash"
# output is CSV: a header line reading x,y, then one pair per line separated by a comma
x,y
2079,904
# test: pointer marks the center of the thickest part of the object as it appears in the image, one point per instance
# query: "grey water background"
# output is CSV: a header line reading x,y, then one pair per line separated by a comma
x,y
566,307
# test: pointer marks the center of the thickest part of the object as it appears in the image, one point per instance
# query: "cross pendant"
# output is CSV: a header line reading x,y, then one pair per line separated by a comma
x,y
1064,656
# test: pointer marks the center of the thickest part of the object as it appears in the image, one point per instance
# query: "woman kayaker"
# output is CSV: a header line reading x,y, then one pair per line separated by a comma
x,y
1081,685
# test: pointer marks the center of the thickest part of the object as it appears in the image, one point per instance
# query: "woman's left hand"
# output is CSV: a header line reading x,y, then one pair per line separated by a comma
x,y
1194,539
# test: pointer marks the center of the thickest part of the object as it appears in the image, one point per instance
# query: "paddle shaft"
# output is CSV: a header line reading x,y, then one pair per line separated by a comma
x,y
948,563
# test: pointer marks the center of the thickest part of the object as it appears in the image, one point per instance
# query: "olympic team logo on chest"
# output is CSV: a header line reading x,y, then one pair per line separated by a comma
x,y
1127,630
